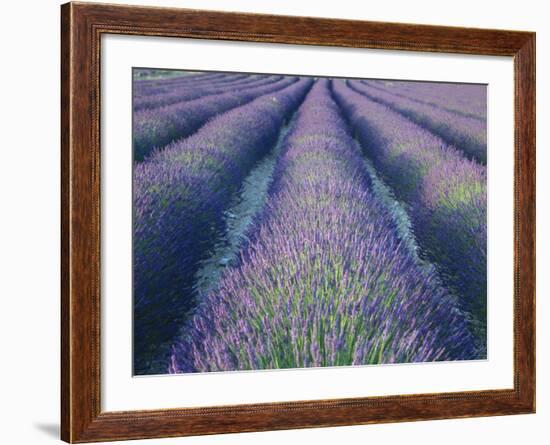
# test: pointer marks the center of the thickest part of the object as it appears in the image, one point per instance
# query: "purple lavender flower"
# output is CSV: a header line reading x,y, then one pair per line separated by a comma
x,y
466,133
186,92
324,280
164,85
446,193
156,127
469,100
180,194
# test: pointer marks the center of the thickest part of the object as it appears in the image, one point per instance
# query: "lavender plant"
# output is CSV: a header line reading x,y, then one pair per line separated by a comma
x,y
465,99
179,196
186,92
465,133
324,281
164,85
445,191
158,126
156,86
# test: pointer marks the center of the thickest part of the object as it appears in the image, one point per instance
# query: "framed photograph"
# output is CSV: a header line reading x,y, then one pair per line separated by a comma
x,y
274,222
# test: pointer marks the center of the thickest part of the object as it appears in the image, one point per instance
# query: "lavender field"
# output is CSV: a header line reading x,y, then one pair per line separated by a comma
x,y
293,222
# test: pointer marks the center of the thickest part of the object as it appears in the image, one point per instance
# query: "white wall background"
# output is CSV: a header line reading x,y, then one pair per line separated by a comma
x,y
29,234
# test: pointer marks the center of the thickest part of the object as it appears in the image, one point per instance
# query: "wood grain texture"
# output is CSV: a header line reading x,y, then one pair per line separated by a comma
x,y
81,28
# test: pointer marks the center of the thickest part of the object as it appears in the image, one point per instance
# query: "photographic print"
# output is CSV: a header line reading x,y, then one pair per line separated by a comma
x,y
275,222
285,221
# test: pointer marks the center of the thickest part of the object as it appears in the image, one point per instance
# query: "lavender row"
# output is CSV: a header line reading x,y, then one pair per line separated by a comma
x,y
160,126
466,99
465,133
180,194
446,193
324,281
167,86
163,86
187,93
146,98
147,87
183,76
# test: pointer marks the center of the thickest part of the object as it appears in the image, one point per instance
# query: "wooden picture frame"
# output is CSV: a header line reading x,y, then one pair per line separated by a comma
x,y
82,25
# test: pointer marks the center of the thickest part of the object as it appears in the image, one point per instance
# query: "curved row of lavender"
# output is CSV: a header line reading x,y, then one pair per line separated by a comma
x,y
155,128
465,133
160,86
465,99
142,89
188,92
166,85
185,90
180,194
446,193
181,76
325,281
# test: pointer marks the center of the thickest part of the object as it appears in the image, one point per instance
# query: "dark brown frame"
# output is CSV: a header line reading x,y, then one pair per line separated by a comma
x,y
82,25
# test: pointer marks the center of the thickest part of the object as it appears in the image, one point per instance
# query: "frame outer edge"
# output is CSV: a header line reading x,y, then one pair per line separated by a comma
x,y
79,228
66,89
81,417
525,60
